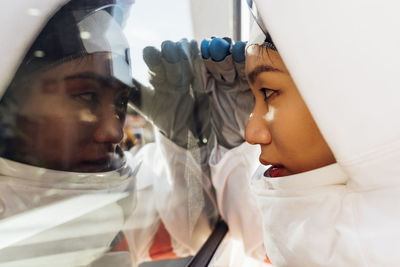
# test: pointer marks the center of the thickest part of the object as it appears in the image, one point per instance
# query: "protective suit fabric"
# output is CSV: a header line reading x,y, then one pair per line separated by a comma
x,y
231,253
32,194
320,220
173,200
231,171
337,77
184,83
142,225
186,200
176,204
231,99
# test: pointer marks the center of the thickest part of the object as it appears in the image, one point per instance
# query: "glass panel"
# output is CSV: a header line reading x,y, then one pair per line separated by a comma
x,y
107,128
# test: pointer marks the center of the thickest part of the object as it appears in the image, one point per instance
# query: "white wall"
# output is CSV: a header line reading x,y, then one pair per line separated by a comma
x,y
211,18
153,21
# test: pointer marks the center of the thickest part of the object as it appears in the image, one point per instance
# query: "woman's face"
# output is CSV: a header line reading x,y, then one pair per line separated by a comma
x,y
73,117
281,122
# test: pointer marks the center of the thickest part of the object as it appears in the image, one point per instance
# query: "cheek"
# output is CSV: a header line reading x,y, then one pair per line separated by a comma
x,y
283,123
55,141
64,132
291,128
299,141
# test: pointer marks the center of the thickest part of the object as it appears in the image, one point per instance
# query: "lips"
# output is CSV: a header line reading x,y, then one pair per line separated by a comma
x,y
95,165
275,171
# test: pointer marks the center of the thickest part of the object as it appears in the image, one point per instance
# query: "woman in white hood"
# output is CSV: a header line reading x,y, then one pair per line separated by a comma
x,y
317,212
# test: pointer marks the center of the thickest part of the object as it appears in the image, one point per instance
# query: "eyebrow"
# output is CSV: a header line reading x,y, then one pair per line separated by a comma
x,y
260,69
103,80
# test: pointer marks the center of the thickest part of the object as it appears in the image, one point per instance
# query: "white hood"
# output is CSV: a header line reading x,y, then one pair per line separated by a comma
x,y
344,58
25,18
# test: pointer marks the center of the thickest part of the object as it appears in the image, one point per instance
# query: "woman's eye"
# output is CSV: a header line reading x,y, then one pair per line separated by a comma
x,y
122,102
268,93
89,97
121,106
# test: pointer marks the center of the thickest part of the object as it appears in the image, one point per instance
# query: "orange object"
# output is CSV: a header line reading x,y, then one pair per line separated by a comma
x,y
161,248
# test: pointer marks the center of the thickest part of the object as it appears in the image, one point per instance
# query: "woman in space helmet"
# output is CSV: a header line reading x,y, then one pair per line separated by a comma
x,y
62,112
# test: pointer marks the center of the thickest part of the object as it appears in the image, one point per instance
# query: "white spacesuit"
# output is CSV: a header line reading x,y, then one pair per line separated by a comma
x,y
344,59
54,211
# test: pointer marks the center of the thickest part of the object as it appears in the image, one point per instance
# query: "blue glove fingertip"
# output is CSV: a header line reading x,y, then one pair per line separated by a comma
x,y
183,48
152,56
219,49
170,51
205,44
238,51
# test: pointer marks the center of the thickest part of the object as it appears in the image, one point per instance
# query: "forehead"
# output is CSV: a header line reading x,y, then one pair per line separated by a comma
x,y
98,63
257,56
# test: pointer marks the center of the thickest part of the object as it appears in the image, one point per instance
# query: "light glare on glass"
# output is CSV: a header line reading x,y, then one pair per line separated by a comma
x,y
39,53
85,35
87,116
270,115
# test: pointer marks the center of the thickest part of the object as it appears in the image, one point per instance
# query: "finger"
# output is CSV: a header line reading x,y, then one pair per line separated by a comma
x,y
238,54
229,40
170,52
172,62
205,52
198,69
238,50
185,50
194,49
142,98
219,49
152,58
220,64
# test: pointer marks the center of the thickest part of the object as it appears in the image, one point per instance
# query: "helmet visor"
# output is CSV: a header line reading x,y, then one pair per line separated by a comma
x,y
257,18
66,106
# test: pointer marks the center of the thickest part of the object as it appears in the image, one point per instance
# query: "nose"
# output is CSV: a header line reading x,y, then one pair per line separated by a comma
x,y
257,131
109,127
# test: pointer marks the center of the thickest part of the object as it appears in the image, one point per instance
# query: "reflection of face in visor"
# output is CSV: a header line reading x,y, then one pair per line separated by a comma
x,y
66,106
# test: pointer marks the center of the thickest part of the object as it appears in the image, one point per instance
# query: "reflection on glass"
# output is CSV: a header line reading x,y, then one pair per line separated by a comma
x,y
70,180
70,117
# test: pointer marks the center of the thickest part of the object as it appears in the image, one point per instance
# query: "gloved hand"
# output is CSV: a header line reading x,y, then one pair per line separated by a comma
x,y
192,93
178,105
231,98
